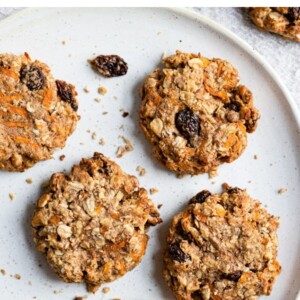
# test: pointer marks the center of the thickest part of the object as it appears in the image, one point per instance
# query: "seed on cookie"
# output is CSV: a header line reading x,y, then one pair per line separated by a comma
x,y
37,112
91,225
196,114
222,247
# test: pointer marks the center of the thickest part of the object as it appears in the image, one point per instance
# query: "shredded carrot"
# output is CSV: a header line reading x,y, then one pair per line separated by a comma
x,y
9,73
205,61
10,98
107,268
23,140
48,95
17,110
136,256
54,219
14,124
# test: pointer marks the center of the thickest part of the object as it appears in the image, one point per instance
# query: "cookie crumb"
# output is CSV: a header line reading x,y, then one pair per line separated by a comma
x,y
62,157
141,170
29,180
102,90
3,272
63,42
255,157
102,142
86,89
282,190
153,191
98,100
159,206
122,150
105,290
94,135
213,173
105,113
125,114
17,276
11,196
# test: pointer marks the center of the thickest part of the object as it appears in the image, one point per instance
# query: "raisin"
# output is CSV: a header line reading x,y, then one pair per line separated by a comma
x,y
32,77
110,65
176,253
234,190
197,295
235,276
233,106
187,123
180,231
200,197
294,14
64,91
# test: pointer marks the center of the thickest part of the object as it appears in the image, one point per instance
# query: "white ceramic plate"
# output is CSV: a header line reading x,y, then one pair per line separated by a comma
x,y
141,36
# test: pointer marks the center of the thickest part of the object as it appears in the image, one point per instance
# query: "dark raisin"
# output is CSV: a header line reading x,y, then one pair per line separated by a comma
x,y
176,253
235,276
234,190
64,91
187,123
197,295
180,231
110,65
233,106
200,197
125,114
32,77
294,14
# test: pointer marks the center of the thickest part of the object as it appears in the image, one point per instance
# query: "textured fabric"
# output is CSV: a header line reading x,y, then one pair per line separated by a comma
x,y
282,54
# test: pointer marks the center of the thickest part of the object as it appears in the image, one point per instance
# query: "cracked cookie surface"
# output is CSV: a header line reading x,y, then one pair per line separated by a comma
x,y
91,225
196,114
284,21
37,112
222,246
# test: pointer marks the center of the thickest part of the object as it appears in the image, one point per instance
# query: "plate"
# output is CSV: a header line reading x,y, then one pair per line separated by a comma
x,y
65,39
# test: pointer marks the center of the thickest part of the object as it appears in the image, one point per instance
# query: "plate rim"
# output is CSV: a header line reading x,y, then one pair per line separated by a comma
x,y
219,28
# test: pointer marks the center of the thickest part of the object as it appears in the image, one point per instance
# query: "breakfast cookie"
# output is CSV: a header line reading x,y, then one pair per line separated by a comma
x,y
284,21
222,246
195,113
91,225
37,112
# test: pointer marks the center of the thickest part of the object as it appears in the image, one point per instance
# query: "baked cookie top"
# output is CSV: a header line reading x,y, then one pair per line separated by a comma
x,y
284,21
37,113
222,246
195,113
91,225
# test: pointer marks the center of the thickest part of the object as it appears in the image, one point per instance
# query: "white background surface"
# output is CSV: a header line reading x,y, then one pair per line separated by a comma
x,y
276,142
282,54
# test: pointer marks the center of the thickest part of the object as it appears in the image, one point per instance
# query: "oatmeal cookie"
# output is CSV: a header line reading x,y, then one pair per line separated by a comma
x,y
222,246
91,225
284,21
196,114
37,113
